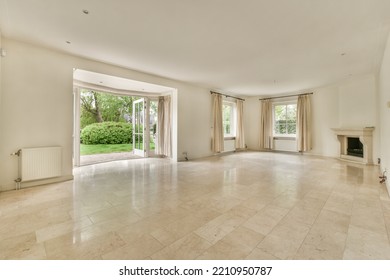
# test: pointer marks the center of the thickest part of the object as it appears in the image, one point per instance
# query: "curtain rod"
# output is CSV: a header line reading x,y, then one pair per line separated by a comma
x,y
211,92
286,96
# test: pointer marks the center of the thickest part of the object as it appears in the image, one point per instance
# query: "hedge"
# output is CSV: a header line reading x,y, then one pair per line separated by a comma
x,y
107,133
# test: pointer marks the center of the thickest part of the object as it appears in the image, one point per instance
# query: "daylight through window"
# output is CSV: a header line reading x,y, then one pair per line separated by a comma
x,y
229,123
285,119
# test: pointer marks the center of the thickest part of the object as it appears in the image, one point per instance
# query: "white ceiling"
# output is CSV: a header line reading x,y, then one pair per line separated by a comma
x,y
247,47
103,82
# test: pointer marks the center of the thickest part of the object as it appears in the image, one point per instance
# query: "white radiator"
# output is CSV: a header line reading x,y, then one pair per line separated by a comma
x,y
229,145
40,163
287,145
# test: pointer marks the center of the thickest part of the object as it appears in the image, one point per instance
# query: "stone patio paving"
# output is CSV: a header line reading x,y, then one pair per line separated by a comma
x,y
99,158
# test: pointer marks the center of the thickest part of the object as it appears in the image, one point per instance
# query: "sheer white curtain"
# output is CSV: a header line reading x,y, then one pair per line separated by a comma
x,y
266,125
164,127
240,139
217,129
304,123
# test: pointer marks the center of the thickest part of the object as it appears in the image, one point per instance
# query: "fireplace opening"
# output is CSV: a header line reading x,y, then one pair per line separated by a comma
x,y
355,147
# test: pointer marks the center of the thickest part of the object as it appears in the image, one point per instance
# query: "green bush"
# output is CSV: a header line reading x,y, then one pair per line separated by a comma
x,y
107,133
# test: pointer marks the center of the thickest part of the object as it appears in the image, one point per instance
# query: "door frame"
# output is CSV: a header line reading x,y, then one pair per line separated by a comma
x,y
77,86
143,120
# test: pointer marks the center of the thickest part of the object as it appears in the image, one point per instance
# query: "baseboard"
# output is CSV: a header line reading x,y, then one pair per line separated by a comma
x,y
10,187
386,182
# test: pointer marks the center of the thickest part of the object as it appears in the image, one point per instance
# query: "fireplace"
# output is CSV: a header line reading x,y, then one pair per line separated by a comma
x,y
355,144
354,147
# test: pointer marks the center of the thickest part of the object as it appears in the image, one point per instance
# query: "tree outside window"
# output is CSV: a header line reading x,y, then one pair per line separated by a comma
x,y
229,125
285,119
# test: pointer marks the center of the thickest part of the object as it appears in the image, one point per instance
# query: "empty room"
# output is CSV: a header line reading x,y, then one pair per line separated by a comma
x,y
260,130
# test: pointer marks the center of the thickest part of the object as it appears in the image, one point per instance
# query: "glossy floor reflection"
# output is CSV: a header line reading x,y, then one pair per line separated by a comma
x,y
247,205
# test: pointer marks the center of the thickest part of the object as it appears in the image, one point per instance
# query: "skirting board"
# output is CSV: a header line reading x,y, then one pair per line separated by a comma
x,y
11,187
388,188
386,182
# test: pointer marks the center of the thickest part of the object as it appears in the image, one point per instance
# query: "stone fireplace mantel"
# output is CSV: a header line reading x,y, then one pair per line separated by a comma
x,y
364,135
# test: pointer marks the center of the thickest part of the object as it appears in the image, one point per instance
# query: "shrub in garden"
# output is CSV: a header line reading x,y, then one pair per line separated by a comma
x,y
107,133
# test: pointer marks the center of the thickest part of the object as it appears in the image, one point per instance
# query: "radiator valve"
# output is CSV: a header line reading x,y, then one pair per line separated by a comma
x,y
383,177
16,153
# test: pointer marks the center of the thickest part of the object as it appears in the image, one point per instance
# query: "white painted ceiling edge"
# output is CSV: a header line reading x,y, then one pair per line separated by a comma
x,y
117,85
248,48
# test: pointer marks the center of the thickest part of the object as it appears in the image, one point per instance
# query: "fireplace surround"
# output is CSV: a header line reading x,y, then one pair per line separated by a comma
x,y
355,144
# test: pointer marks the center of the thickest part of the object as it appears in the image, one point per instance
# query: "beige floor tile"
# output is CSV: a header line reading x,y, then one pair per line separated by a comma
x,y
22,247
136,248
387,222
234,246
258,254
326,238
286,200
216,229
189,247
364,244
258,202
322,245
178,229
301,214
217,207
368,218
331,221
56,230
66,247
266,219
285,239
386,207
340,202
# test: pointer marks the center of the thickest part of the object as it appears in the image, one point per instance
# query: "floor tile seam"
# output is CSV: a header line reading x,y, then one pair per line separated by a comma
x,y
256,247
273,228
17,244
158,241
335,212
185,236
310,229
346,238
204,239
387,225
80,243
373,231
299,247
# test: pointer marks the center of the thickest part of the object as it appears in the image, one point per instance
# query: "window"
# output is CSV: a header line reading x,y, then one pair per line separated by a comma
x,y
229,118
285,119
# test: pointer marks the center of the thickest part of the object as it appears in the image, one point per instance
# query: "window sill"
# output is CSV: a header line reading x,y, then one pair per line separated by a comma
x,y
285,138
229,138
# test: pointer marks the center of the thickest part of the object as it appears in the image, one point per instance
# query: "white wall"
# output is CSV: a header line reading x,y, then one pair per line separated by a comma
x,y
1,87
252,122
36,106
384,111
325,107
358,106
358,102
351,103
194,122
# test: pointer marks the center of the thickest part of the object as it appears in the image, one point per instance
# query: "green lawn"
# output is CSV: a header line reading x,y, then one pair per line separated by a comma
x,y
107,148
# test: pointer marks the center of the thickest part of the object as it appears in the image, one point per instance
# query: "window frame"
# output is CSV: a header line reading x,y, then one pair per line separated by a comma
x,y
283,103
233,119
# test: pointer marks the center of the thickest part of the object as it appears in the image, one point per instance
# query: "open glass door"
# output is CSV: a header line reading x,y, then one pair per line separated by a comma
x,y
140,127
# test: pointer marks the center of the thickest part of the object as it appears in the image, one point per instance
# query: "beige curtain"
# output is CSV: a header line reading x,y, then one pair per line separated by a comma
x,y
304,123
217,129
266,125
240,139
164,127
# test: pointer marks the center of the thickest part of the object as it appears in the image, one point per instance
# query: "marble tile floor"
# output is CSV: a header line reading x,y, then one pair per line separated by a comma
x,y
247,205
